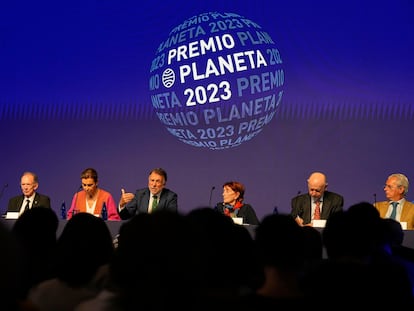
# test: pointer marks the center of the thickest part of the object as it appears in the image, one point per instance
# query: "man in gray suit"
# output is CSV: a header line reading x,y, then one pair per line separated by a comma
x,y
304,205
29,198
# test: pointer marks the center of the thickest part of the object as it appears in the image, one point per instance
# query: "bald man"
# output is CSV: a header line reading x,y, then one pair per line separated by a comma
x,y
304,205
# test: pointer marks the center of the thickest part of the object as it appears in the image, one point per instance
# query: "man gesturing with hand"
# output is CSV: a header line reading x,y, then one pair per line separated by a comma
x,y
153,198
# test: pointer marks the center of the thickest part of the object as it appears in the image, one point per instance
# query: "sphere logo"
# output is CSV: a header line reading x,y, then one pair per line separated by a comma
x,y
168,78
216,81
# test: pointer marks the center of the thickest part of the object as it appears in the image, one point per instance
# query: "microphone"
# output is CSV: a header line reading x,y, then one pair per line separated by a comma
x,y
211,194
375,199
2,190
299,192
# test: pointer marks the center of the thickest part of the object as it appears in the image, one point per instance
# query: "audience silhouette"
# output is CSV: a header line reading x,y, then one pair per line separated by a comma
x,y
357,263
229,261
83,253
35,232
10,278
203,260
280,244
157,263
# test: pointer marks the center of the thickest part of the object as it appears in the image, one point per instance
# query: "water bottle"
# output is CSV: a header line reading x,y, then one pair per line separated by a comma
x,y
104,212
63,210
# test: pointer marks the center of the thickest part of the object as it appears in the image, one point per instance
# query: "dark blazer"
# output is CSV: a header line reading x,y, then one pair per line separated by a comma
x,y
301,206
246,212
139,204
16,202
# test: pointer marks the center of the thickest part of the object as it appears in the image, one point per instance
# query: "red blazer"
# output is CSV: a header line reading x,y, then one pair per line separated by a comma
x,y
79,204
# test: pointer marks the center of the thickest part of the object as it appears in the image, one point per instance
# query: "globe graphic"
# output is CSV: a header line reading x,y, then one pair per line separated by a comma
x,y
216,81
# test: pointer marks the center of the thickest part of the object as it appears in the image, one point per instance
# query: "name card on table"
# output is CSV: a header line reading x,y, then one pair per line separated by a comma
x,y
12,215
238,220
319,223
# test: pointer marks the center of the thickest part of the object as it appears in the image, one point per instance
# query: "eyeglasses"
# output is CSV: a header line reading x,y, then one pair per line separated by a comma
x,y
391,186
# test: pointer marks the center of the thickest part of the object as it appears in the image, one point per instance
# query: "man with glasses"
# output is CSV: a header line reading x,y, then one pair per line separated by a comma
x,y
396,206
317,203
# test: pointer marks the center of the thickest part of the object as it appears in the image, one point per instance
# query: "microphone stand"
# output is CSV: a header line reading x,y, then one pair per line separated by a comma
x,y
211,194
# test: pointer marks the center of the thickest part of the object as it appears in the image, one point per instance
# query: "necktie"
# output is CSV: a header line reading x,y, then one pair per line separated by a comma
x,y
394,210
27,205
154,203
317,214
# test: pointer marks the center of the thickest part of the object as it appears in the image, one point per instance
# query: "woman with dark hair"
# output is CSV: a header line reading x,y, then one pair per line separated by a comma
x,y
92,199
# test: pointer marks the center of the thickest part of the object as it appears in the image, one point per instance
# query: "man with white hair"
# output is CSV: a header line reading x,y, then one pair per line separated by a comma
x,y
396,206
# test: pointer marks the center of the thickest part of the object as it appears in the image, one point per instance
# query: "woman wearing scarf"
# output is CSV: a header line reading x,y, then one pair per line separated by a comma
x,y
233,205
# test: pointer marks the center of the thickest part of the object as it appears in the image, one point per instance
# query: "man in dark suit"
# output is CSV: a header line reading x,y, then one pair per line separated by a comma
x,y
29,198
155,197
305,205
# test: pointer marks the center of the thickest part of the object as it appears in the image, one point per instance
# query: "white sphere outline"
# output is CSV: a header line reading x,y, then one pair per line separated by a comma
x,y
168,78
207,106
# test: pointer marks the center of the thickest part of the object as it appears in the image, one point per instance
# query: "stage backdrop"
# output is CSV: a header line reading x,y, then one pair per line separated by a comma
x,y
263,92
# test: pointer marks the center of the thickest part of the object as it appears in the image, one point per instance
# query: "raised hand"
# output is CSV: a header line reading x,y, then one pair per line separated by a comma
x,y
125,197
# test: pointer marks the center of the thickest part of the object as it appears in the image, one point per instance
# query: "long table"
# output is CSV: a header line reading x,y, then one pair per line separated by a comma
x,y
114,227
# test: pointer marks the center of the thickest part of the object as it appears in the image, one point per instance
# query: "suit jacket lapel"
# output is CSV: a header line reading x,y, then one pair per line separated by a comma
x,y
144,201
20,202
36,200
383,208
307,208
325,208
162,200
405,210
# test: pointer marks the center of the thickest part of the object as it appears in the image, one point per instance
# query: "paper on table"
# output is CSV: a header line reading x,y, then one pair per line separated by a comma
x,y
12,215
319,223
238,220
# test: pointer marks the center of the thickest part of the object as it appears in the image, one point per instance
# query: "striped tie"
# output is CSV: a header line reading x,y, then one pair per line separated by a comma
x,y
154,203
